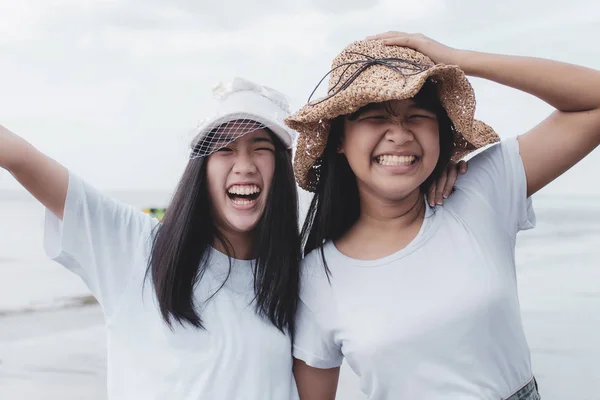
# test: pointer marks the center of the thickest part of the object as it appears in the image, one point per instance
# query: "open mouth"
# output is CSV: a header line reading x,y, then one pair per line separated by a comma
x,y
392,160
243,194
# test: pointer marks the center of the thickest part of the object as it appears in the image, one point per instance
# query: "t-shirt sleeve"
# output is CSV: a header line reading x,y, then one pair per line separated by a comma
x,y
312,343
496,180
99,239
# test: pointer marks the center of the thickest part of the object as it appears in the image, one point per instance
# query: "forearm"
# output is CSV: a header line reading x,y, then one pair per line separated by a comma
x,y
43,177
566,87
12,149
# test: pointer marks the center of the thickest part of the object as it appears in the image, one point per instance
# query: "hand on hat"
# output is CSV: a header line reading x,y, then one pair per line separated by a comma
x,y
439,53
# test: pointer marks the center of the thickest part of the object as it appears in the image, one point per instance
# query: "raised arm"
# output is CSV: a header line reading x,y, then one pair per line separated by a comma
x,y
43,177
567,135
560,141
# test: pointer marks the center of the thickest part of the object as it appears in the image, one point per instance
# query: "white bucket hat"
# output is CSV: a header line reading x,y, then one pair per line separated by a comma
x,y
238,108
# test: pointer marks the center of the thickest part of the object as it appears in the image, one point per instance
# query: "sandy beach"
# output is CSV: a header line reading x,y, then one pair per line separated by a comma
x,y
60,355
52,355
52,339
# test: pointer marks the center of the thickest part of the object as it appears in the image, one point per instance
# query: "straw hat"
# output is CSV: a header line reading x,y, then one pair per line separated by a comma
x,y
371,72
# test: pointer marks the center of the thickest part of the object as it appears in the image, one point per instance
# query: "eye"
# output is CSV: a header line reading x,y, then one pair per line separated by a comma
x,y
419,116
225,150
376,117
265,149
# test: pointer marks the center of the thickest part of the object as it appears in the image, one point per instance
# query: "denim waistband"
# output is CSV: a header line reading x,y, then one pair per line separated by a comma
x,y
527,392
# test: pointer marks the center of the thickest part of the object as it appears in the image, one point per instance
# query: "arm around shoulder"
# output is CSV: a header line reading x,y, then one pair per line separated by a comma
x,y
43,177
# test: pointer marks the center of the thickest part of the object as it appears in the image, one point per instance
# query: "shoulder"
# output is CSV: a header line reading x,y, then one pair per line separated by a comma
x,y
315,280
491,158
316,263
495,186
312,263
489,171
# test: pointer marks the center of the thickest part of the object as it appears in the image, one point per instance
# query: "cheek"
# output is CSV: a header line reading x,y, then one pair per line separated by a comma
x,y
359,144
266,166
429,140
216,172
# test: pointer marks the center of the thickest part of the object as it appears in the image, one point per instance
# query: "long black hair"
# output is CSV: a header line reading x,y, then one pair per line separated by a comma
x,y
335,206
182,241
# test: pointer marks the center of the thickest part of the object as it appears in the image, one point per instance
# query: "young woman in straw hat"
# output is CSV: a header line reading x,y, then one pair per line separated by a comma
x,y
201,305
421,301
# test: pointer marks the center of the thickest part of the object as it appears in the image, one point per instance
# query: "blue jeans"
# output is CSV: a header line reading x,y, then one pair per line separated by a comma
x,y
527,392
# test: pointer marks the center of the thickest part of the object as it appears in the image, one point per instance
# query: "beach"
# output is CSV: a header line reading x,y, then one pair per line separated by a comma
x,y
52,339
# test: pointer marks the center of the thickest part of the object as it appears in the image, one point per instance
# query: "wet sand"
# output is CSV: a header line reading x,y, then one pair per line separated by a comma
x,y
61,354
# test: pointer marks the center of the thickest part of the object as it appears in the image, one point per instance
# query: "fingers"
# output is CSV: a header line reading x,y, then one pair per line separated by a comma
x,y
452,175
395,39
435,192
404,39
386,35
440,188
431,195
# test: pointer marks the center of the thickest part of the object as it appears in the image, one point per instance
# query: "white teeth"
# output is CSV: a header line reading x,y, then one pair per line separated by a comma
x,y
242,201
395,160
243,189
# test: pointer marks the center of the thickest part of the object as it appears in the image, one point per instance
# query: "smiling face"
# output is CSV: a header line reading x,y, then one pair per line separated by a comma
x,y
239,178
392,147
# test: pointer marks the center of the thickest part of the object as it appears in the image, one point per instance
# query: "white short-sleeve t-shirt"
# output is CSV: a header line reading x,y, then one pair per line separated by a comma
x,y
239,356
440,318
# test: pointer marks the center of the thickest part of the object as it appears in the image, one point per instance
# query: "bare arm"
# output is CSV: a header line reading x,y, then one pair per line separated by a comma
x,y
43,177
560,141
314,383
566,136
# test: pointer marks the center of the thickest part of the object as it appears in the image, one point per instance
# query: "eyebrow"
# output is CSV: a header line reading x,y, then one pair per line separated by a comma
x,y
262,140
370,107
415,105
220,143
363,110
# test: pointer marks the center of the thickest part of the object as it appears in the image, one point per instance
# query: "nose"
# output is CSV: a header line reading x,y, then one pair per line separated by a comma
x,y
244,164
398,134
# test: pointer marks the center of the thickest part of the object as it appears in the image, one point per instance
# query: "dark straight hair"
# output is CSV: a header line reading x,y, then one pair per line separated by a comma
x,y
183,239
335,206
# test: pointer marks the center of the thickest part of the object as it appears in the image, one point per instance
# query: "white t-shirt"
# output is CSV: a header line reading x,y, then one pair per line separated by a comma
x,y
239,356
440,318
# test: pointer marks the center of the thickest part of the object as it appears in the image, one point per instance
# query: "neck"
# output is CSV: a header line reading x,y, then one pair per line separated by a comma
x,y
384,215
240,245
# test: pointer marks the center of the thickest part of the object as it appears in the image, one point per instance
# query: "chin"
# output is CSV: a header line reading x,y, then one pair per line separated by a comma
x,y
242,224
398,195
397,190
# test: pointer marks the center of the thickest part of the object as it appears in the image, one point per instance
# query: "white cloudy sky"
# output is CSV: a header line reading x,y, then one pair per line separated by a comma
x,y
112,88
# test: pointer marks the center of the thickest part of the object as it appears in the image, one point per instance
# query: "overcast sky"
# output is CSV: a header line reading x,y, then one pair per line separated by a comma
x,y
114,88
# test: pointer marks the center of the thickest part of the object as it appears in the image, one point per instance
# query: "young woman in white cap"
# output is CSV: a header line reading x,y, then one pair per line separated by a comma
x,y
200,306
422,302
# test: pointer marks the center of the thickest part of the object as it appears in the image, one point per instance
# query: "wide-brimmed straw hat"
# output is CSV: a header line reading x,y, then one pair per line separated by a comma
x,y
370,72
